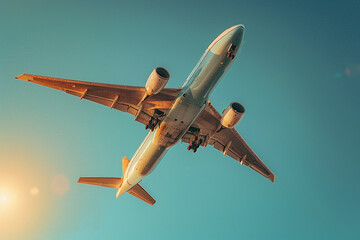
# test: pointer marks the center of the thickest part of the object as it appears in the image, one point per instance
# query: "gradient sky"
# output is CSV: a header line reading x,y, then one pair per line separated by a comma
x,y
297,74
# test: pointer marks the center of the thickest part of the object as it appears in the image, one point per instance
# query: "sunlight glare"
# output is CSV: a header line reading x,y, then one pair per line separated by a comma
x,y
60,185
34,191
4,198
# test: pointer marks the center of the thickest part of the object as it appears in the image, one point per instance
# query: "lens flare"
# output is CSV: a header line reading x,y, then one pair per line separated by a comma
x,y
60,185
4,198
34,191
353,70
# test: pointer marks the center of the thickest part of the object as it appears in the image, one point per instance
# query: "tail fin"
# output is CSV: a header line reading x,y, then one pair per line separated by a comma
x,y
125,163
116,182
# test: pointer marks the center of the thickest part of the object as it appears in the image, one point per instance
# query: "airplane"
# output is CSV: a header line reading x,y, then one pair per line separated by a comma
x,y
171,114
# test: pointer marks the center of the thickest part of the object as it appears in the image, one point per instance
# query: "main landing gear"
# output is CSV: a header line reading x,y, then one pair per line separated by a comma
x,y
195,142
153,122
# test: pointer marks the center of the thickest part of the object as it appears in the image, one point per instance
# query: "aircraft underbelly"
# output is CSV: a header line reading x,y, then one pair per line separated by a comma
x,y
145,159
156,143
178,120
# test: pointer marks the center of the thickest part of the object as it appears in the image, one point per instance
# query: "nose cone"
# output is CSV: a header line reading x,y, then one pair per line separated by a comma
x,y
231,35
238,27
238,31
237,34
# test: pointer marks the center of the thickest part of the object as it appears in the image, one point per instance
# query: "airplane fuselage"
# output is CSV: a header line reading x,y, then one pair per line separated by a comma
x,y
188,105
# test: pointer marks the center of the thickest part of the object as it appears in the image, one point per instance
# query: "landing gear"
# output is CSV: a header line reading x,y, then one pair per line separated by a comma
x,y
153,122
195,142
230,51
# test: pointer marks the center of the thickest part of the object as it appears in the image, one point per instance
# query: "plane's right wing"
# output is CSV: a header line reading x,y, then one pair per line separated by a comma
x,y
123,98
226,140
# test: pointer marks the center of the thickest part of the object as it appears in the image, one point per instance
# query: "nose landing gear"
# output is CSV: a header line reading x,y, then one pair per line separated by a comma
x,y
230,51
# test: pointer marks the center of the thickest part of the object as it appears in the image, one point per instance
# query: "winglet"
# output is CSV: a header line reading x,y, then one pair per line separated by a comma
x,y
272,178
24,77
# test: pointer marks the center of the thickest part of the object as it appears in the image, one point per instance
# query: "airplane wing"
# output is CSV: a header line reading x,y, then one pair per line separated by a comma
x,y
123,98
226,140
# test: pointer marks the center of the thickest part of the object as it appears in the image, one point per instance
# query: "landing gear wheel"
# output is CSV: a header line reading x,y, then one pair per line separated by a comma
x,y
153,122
195,144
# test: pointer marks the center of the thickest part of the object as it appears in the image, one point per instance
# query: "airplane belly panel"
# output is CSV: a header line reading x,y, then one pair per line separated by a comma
x,y
178,120
146,157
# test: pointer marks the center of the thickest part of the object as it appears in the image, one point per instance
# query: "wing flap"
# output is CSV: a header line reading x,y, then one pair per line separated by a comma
x,y
240,150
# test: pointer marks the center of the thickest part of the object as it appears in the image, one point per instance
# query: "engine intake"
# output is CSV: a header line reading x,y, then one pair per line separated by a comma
x,y
157,80
232,115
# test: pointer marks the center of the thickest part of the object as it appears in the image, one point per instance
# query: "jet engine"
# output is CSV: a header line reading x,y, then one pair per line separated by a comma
x,y
157,81
232,115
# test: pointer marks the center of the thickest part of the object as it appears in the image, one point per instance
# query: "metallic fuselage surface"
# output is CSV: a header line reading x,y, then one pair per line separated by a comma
x,y
190,102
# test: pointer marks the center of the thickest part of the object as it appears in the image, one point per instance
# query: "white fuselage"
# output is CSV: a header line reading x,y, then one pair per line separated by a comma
x,y
188,105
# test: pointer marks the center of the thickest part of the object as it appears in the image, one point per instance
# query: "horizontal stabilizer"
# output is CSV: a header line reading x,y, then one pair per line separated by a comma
x,y
111,182
115,182
139,192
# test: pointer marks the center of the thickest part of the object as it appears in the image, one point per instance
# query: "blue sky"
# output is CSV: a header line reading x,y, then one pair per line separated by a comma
x,y
297,74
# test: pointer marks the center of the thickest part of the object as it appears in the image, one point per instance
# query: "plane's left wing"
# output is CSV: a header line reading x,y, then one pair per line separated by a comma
x,y
123,98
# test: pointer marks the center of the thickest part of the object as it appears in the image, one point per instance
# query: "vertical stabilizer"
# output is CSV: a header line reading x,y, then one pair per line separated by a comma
x,y
125,163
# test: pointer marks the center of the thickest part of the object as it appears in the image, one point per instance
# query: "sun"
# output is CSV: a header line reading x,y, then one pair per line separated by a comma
x,y
6,200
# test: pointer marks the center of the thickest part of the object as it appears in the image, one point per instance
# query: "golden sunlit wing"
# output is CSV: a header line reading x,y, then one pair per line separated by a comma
x,y
123,98
227,140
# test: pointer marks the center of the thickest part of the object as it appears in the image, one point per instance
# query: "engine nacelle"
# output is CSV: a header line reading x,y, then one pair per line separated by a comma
x,y
157,80
232,115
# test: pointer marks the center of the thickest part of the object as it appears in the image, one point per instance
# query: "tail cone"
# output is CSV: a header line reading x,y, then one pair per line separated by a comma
x,y
124,188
